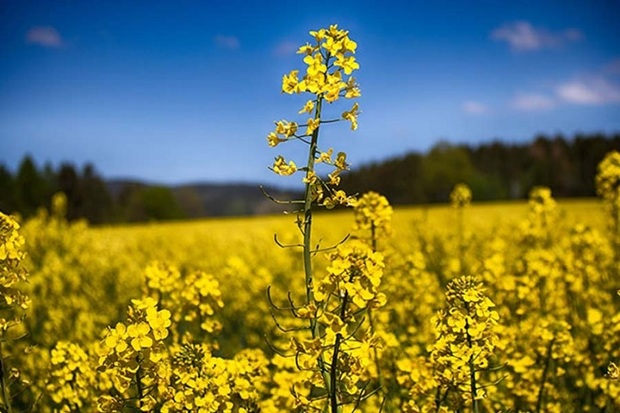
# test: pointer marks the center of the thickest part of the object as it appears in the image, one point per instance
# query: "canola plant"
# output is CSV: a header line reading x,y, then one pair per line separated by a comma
x,y
467,308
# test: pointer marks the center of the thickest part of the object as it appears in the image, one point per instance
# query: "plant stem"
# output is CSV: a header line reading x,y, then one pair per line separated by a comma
x,y
333,395
333,374
139,382
472,369
6,393
373,241
541,390
307,233
307,230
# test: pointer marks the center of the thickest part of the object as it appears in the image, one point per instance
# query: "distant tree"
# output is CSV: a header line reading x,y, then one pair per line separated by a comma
x,y
96,204
69,183
8,200
500,167
190,202
129,205
587,151
159,204
398,179
31,188
442,168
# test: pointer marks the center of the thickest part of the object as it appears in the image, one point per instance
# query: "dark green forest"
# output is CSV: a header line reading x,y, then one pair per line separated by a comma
x,y
494,171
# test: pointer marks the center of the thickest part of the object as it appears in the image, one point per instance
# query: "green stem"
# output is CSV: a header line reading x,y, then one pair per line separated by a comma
x,y
472,368
333,375
439,399
460,239
616,235
373,236
6,393
307,233
139,382
541,390
373,241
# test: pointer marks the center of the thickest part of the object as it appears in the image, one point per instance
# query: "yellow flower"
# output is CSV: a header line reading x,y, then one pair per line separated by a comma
x,y
326,157
318,35
332,46
341,161
138,334
348,64
308,107
159,321
144,304
290,82
282,168
349,45
352,90
351,115
334,178
313,124
306,49
288,129
310,178
116,338
315,65
274,140
308,311
613,372
333,323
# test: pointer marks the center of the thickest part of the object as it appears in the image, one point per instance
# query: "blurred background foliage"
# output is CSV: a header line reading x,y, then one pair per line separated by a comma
x,y
496,170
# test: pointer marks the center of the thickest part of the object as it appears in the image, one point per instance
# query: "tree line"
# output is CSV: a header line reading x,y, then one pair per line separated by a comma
x,y
494,171
88,195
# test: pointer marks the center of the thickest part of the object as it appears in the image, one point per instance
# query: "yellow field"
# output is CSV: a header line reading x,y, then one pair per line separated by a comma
x,y
547,338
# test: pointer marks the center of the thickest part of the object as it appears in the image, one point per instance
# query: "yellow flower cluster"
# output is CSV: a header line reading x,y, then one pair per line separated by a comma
x,y
354,270
541,201
328,62
466,336
132,355
205,384
13,301
194,297
539,291
343,350
608,187
72,380
460,196
542,217
373,217
608,178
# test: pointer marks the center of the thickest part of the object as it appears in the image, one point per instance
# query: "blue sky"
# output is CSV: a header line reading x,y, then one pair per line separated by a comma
x,y
186,91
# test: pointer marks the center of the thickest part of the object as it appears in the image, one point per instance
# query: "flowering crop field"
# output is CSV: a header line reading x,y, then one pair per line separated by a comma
x,y
477,308
546,311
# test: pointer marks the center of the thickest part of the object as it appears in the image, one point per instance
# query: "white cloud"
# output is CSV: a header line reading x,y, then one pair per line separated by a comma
x,y
592,91
228,42
522,36
532,102
285,48
45,36
474,108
